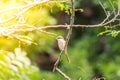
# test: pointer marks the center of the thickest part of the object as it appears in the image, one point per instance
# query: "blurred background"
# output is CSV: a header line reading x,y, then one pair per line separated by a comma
x,y
92,56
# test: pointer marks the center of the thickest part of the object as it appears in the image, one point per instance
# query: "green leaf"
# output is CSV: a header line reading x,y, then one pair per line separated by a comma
x,y
81,10
104,32
114,33
19,66
24,39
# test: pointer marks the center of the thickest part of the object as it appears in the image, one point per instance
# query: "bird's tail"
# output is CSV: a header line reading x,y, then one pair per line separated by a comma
x,y
67,56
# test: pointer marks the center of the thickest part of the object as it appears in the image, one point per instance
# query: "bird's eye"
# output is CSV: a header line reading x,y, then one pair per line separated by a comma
x,y
58,38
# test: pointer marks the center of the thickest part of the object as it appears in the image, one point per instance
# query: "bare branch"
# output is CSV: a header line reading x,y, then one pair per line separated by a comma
x,y
106,13
23,9
103,8
68,34
14,28
112,6
24,6
62,73
103,23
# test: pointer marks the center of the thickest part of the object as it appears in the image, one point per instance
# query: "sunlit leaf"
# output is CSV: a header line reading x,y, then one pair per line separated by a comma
x,y
104,32
13,67
17,63
114,33
11,55
24,39
81,10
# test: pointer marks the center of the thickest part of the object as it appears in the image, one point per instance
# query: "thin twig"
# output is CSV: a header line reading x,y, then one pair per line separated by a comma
x,y
68,35
106,13
46,32
112,6
23,9
90,26
71,23
20,16
24,6
14,28
62,73
103,8
18,28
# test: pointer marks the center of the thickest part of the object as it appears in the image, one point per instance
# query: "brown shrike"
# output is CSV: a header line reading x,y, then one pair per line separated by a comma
x,y
61,44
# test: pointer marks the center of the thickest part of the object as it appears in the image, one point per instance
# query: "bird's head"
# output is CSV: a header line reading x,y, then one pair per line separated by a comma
x,y
59,37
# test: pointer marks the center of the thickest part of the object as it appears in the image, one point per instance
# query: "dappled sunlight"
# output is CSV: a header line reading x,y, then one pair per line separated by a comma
x,y
59,39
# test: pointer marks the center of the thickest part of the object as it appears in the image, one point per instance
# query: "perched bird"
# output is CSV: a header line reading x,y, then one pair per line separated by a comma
x,y
61,44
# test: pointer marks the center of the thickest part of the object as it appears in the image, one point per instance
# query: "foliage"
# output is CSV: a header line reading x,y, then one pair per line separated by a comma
x,y
23,25
16,66
18,25
113,33
110,4
87,61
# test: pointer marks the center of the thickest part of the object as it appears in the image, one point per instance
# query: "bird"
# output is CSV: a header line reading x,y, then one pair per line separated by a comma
x,y
61,44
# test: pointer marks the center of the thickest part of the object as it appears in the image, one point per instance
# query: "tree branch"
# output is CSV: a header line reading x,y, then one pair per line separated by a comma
x,y
103,23
22,9
68,34
63,74
67,40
